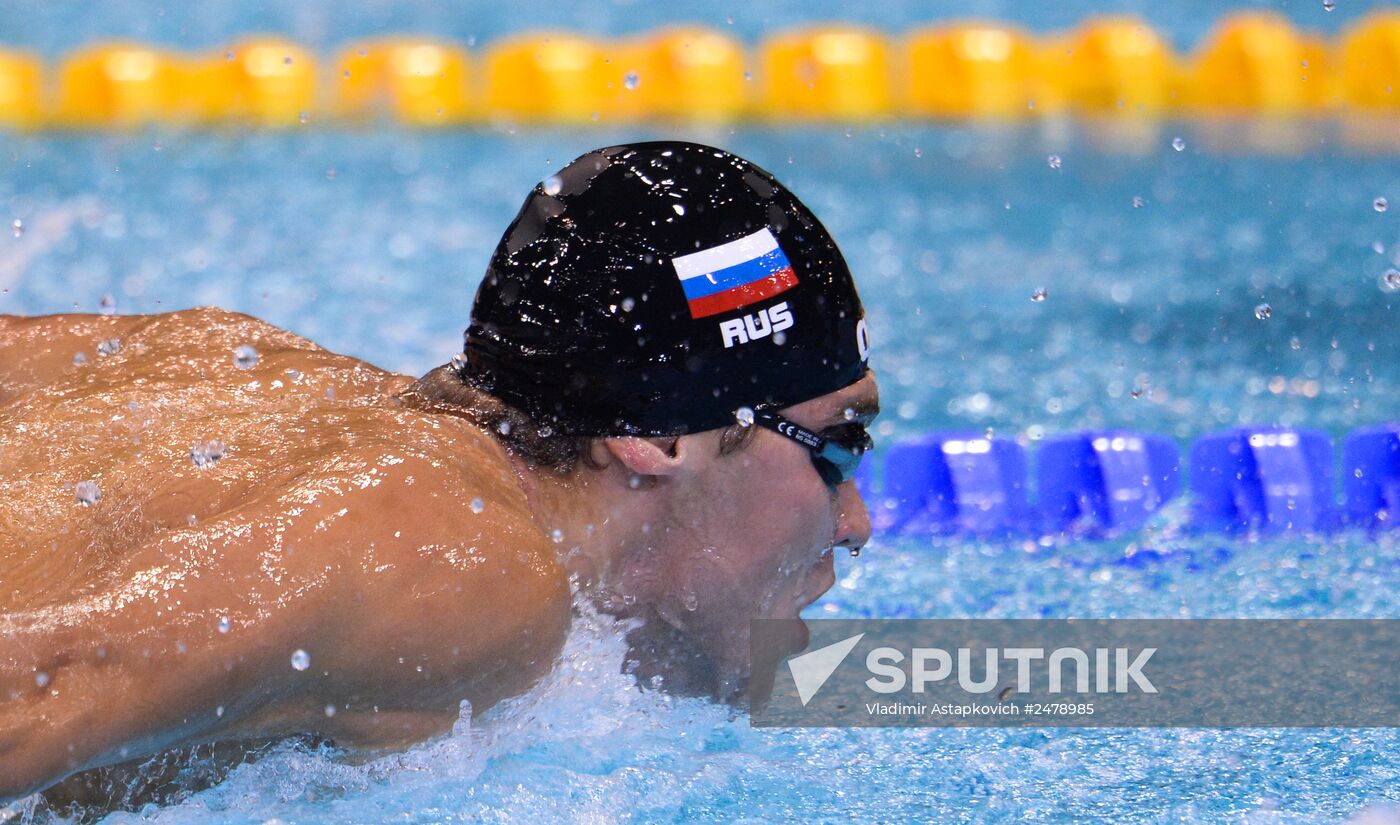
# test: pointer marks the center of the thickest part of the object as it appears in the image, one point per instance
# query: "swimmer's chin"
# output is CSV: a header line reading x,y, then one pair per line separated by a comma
x,y
662,658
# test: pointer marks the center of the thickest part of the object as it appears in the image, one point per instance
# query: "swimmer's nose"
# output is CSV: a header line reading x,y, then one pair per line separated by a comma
x,y
852,519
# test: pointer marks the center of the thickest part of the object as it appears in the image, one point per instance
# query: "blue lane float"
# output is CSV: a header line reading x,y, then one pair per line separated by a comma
x,y
1104,482
1371,476
1271,479
950,483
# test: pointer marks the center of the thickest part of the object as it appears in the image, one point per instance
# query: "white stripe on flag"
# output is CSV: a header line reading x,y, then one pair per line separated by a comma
x,y
726,255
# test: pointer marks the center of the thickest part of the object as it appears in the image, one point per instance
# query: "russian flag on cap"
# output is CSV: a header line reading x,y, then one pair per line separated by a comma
x,y
734,274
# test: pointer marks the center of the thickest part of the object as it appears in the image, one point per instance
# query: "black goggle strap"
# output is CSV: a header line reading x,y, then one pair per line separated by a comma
x,y
796,432
836,463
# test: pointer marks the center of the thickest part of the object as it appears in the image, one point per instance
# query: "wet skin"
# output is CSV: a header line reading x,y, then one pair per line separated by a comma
x,y
339,522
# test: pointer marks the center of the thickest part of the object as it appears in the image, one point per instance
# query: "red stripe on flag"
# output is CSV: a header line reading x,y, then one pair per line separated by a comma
x,y
742,296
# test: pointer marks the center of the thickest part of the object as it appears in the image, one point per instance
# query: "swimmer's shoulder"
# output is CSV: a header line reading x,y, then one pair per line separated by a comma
x,y
184,347
448,572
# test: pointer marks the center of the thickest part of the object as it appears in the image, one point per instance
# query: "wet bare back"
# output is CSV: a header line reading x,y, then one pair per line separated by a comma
x,y
336,522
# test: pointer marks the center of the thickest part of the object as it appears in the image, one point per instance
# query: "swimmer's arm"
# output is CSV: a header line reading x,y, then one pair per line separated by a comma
x,y
412,580
121,674
141,667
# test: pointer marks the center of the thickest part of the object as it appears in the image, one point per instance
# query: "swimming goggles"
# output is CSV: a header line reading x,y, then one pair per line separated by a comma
x,y
835,457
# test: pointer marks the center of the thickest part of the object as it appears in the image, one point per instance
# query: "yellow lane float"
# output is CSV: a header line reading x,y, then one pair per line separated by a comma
x,y
828,72
547,77
1119,66
418,82
20,101
1370,62
1257,63
1253,63
116,84
969,70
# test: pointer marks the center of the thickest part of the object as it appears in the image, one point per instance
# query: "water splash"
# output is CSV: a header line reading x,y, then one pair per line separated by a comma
x,y
245,357
87,493
207,453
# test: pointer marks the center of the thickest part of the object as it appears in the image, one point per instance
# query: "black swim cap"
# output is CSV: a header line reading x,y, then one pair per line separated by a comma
x,y
655,288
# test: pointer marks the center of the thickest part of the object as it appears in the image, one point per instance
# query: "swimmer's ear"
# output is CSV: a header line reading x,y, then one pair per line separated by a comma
x,y
648,456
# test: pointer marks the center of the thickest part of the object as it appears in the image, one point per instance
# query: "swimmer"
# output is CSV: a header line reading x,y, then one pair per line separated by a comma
x,y
213,530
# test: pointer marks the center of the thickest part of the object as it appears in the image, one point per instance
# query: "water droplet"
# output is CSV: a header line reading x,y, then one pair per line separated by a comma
x,y
228,55
219,711
108,305
478,505
855,552
1295,343
1263,312
918,153
1378,247
224,624
553,185
459,362
330,174
1136,391
634,481
301,660
304,117
79,359
1040,294
630,80
1054,161
287,61
330,710
295,375
111,346
690,601
87,493
1178,144
41,679
848,414
17,227
503,428
1380,204
156,146
744,415
1329,5
1390,281
749,76
206,453
556,535
244,357
679,208
1138,202
729,18
627,304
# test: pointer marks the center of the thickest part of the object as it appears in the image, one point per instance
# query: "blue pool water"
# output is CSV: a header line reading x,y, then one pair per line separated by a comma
x,y
372,243
950,230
